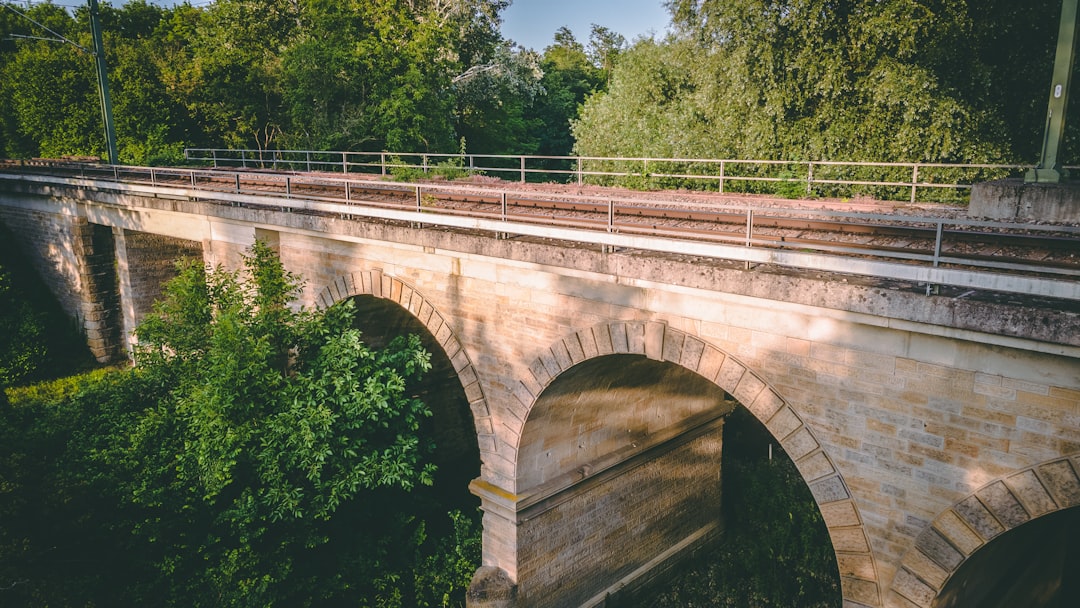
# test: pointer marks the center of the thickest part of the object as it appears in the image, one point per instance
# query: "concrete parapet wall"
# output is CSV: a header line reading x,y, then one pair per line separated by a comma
x,y
1014,199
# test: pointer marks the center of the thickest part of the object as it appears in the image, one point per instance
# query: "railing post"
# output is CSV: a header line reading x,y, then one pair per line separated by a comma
x,y
192,178
308,155
721,177
523,169
288,187
153,180
580,168
214,152
810,177
424,159
749,231
237,176
382,162
914,181
937,243
348,194
419,204
243,158
345,164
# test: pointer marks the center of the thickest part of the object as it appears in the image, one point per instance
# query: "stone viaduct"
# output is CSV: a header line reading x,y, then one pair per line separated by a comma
x,y
924,425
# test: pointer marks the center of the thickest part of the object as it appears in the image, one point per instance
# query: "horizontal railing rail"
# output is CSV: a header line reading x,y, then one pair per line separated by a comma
x,y
889,180
344,196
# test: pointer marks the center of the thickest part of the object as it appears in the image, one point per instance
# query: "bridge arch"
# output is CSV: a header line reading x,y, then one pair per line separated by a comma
x,y
379,285
960,531
658,342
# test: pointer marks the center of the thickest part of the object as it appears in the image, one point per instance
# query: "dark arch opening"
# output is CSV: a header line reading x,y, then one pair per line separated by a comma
x,y
457,453
775,550
1034,565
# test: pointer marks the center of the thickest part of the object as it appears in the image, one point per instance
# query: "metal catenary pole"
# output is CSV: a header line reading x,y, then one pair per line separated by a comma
x,y
103,82
1049,169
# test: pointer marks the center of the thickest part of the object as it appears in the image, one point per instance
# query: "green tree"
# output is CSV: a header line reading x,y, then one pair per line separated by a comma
x,y
569,78
258,454
280,426
893,80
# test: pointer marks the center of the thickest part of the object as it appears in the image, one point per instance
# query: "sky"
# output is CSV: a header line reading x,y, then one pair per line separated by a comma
x,y
532,23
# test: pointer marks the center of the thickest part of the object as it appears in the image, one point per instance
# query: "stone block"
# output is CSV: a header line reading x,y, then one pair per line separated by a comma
x,y
1031,493
620,340
1003,505
671,344
857,565
978,517
602,335
830,489
915,590
783,423
799,443
937,548
861,591
748,388
691,352
1061,481
710,364
766,405
731,372
815,466
923,567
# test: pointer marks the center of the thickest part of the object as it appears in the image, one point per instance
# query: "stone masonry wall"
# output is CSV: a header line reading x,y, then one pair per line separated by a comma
x,y
75,259
915,422
145,263
587,543
49,242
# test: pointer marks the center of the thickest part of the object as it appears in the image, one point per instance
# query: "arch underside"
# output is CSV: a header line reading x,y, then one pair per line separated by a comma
x,y
379,285
998,507
657,342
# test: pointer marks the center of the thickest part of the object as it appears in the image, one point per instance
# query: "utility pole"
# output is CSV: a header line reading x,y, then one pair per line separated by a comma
x,y
99,58
103,82
1049,169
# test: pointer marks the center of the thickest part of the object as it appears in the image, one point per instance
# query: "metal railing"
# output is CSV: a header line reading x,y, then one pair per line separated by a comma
x,y
352,198
939,182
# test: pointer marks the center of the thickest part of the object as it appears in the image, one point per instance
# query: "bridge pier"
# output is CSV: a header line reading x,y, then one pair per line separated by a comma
x,y
144,263
618,481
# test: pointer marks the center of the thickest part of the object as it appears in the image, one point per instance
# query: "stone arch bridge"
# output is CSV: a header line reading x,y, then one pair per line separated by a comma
x,y
598,380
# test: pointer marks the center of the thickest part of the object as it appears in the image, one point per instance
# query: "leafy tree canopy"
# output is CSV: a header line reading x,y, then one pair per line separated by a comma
x,y
892,80
258,454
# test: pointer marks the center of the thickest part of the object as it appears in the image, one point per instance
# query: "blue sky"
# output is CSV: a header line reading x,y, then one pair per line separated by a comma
x,y
532,23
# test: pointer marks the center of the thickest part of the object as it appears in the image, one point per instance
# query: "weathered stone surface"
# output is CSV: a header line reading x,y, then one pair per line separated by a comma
x,y
1003,505
975,514
935,547
1030,491
908,585
1061,481
491,587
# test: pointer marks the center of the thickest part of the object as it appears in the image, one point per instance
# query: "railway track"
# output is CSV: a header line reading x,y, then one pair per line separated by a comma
x,y
1041,249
